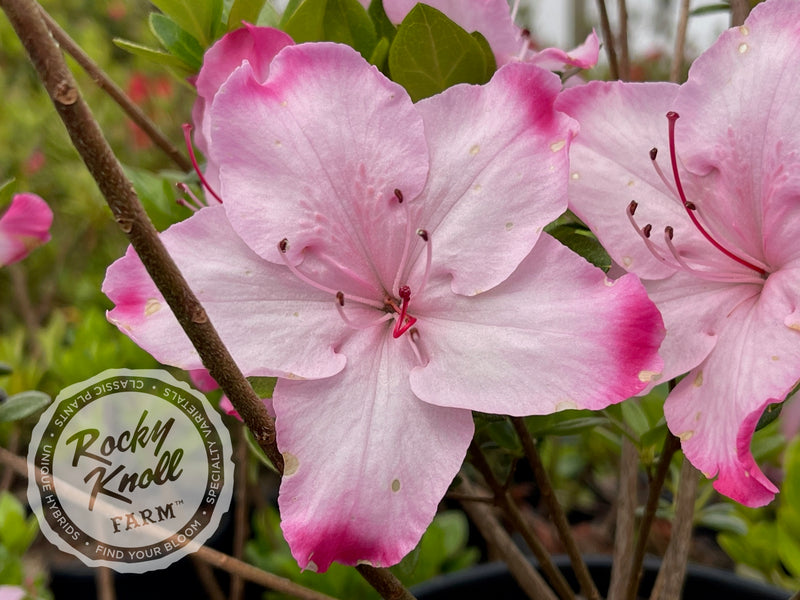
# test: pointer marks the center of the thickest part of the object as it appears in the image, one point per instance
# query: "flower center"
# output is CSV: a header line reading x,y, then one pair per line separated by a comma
x,y
673,258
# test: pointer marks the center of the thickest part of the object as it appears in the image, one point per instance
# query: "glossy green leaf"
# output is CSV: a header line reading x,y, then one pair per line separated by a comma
x,y
263,386
22,405
245,10
17,531
157,56
6,193
383,26
430,53
583,242
177,41
343,21
201,20
565,422
789,510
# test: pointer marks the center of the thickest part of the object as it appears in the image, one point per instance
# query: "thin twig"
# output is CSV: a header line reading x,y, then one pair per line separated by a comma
x,y
626,519
206,576
608,40
240,525
105,83
511,510
673,568
739,11
671,445
104,584
26,19
557,515
19,286
496,537
384,581
680,42
622,38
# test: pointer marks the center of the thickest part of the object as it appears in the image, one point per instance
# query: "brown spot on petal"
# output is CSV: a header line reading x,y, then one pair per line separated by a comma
x,y
686,436
396,485
648,376
744,30
475,149
698,379
151,307
743,48
566,405
795,326
556,146
311,566
290,464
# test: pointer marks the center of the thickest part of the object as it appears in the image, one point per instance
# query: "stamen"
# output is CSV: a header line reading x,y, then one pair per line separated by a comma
x,y
350,323
413,340
404,321
283,247
644,232
423,233
660,173
187,137
404,257
195,204
672,116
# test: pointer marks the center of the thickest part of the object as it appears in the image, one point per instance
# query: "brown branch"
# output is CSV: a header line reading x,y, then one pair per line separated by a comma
x,y
556,511
739,11
104,584
105,83
206,576
608,40
240,525
26,19
680,42
384,581
511,510
673,568
19,286
622,38
496,537
626,519
671,445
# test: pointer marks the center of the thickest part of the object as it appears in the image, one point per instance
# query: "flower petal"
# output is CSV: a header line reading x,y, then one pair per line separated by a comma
x,y
290,329
366,462
23,227
739,125
714,410
498,173
326,141
554,59
557,334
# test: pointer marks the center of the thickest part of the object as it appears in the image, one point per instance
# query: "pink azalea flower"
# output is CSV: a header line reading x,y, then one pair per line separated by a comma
x,y
713,233
386,261
23,227
11,592
495,21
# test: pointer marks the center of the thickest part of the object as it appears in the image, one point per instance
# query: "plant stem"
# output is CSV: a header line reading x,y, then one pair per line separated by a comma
x,y
104,584
560,585
240,525
556,511
622,38
106,84
626,519
739,11
680,42
673,568
671,445
206,576
496,537
608,40
26,19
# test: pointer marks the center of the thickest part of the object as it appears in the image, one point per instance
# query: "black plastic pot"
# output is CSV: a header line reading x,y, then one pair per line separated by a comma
x,y
494,581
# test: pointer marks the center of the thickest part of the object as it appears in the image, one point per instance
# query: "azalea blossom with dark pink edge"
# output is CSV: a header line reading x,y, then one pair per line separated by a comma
x,y
713,231
386,261
23,227
494,19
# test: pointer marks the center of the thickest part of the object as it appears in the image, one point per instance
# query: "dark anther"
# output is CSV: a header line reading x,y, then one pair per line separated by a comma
x,y
647,229
399,195
283,245
690,206
669,231
423,234
632,207
404,292
653,153
672,115
340,298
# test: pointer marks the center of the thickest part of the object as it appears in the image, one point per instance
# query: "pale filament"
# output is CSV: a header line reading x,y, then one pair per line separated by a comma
x,y
413,340
406,245
193,203
350,323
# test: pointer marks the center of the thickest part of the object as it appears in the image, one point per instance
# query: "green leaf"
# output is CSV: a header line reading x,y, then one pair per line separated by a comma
x,y
157,56
583,242
710,8
383,26
430,53
343,21
635,417
158,195
201,20
177,40
245,10
22,405
16,531
770,413
488,55
565,422
5,369
380,54
6,193
263,386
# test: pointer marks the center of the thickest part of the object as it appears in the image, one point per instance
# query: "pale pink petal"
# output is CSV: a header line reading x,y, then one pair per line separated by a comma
x,y
272,323
745,133
366,462
714,410
498,173
557,334
491,18
554,59
23,227
11,592
257,45
326,141
610,166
